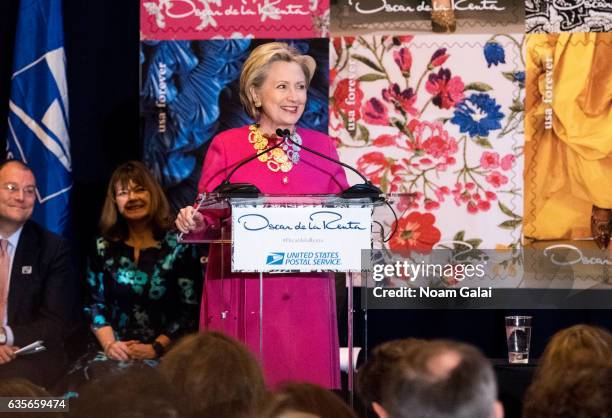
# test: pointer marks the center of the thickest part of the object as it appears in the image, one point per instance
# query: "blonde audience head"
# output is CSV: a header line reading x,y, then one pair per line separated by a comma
x,y
574,378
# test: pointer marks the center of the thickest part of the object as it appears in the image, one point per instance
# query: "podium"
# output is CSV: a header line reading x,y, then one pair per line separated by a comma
x,y
286,234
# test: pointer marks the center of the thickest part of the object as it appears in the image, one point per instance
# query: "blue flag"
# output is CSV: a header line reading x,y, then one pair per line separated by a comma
x,y
38,109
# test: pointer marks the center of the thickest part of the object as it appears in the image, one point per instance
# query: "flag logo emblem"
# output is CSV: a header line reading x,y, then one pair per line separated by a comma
x,y
275,259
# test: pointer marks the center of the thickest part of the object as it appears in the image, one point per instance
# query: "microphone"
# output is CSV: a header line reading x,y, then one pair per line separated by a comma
x,y
363,190
247,190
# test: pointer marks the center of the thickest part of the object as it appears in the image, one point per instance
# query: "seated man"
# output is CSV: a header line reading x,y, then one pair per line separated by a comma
x,y
419,379
37,283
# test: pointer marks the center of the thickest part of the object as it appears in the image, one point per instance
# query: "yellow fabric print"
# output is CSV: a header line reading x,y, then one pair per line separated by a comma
x,y
568,133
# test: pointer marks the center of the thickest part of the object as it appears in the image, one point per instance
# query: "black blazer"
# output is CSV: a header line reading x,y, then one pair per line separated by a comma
x,y
43,289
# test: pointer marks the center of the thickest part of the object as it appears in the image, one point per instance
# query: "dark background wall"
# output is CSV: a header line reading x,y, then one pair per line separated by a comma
x,y
102,48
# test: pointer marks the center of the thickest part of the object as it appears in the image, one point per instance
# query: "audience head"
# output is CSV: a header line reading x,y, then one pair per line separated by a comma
x,y
376,371
133,195
17,194
218,375
21,388
579,392
135,392
574,377
442,379
575,346
305,400
16,386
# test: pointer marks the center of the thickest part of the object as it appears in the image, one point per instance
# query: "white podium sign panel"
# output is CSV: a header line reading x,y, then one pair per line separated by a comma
x,y
304,239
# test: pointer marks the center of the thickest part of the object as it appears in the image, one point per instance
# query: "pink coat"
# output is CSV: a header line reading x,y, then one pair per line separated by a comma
x,y
300,335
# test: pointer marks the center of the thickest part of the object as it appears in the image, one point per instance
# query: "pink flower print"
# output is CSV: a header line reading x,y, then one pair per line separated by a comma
x,y
385,140
375,112
490,195
403,59
372,165
432,138
438,58
489,160
472,208
441,192
431,204
447,90
496,179
508,162
484,205
400,99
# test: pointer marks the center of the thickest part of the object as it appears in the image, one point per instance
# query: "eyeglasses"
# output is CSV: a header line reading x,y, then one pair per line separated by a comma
x,y
12,188
124,193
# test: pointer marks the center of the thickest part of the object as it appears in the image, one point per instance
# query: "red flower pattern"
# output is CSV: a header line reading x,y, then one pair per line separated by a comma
x,y
428,147
348,97
447,90
489,160
402,100
415,232
496,179
375,112
403,59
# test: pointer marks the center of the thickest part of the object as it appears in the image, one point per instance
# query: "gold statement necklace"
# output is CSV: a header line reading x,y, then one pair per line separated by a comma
x,y
282,158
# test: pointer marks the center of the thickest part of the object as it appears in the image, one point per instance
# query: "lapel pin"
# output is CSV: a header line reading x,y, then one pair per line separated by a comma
x,y
26,270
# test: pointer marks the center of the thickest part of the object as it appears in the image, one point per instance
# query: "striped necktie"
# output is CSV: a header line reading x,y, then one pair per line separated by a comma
x,y
5,262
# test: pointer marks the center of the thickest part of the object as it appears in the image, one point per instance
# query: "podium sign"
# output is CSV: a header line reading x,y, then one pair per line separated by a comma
x,y
299,238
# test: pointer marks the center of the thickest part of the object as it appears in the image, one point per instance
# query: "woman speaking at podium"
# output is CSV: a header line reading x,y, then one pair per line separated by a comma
x,y
300,336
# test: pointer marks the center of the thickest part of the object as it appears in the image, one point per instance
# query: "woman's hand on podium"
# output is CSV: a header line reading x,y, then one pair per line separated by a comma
x,y
189,220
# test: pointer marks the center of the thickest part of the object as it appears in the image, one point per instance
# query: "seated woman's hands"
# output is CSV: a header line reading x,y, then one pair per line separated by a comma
x,y
128,350
119,350
141,351
189,220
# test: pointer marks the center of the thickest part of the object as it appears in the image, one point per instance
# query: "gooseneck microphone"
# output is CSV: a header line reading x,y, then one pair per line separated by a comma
x,y
247,190
363,190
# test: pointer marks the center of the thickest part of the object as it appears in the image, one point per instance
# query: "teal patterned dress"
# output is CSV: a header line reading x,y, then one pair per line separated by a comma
x,y
158,295
141,301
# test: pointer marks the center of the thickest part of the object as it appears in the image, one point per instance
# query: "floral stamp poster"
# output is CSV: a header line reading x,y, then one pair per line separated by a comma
x,y
442,120
224,19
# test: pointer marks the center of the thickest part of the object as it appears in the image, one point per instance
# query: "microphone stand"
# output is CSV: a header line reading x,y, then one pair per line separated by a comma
x,y
249,190
246,190
358,191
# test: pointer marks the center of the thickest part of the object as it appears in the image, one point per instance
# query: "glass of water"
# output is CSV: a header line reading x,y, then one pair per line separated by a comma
x,y
518,336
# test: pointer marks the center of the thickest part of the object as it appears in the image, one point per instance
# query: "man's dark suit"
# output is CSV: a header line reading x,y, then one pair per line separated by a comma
x,y
41,303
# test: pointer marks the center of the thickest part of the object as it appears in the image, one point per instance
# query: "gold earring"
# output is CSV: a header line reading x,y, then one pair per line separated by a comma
x,y
257,103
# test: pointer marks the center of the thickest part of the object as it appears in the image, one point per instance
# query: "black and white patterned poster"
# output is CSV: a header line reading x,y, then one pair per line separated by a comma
x,y
549,16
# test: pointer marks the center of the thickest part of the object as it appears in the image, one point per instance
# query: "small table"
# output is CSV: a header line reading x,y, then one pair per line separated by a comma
x,y
513,381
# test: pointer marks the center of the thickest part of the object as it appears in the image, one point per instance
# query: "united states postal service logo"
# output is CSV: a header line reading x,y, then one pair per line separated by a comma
x,y
275,259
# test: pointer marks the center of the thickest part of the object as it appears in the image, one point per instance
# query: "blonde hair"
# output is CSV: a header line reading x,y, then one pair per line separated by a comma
x,y
575,346
574,370
256,67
